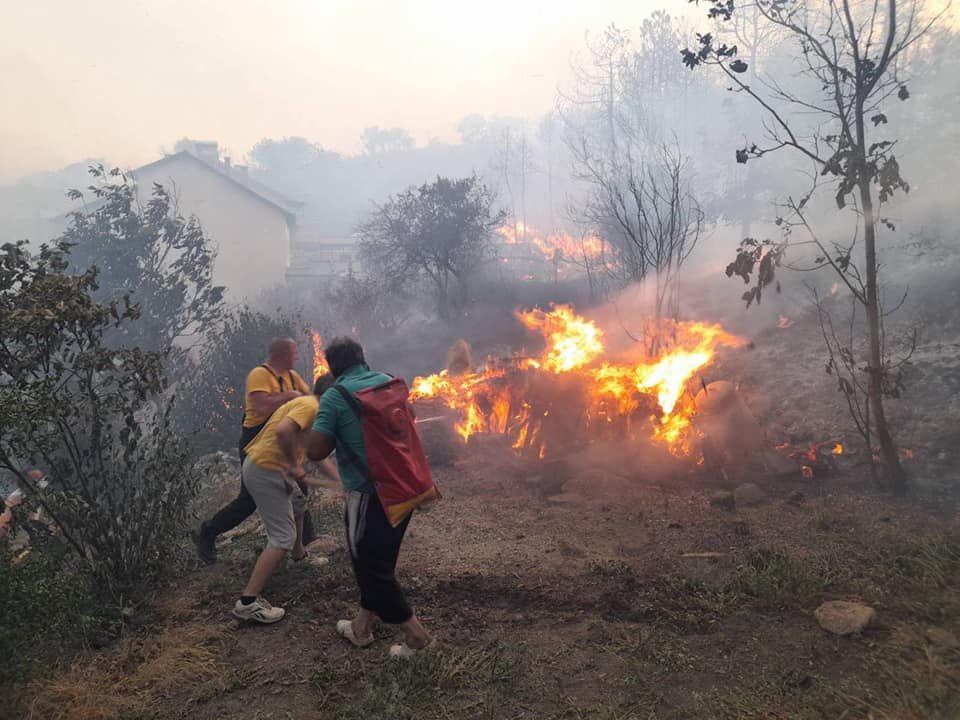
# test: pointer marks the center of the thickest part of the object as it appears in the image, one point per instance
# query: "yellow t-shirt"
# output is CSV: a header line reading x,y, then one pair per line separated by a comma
x,y
261,379
264,451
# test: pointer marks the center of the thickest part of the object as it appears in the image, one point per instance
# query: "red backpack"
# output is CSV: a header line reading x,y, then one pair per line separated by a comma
x,y
396,464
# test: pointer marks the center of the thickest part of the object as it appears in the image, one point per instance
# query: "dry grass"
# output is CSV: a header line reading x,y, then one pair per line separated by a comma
x,y
913,679
131,677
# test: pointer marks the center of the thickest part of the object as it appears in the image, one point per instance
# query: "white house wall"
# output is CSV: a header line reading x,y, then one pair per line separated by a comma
x,y
252,238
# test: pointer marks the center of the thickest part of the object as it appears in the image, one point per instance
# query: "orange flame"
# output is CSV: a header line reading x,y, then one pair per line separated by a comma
x,y
501,400
807,472
553,246
784,322
572,342
320,366
838,449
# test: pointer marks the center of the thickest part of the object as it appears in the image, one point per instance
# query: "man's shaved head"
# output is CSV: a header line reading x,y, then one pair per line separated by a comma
x,y
283,353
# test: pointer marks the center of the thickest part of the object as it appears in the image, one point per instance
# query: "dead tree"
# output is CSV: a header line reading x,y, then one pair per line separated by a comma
x,y
650,219
849,49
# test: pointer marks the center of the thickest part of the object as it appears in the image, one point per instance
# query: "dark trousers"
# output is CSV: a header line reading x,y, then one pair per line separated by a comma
x,y
374,547
242,506
230,515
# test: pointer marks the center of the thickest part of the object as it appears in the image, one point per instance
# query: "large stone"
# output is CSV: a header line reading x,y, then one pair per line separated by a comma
x,y
723,500
748,494
842,617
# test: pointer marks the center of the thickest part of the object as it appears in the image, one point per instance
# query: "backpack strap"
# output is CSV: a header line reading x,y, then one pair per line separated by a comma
x,y
350,400
344,451
278,378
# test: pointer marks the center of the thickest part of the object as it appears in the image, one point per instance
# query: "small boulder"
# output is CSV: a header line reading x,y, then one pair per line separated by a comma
x,y
748,494
723,500
796,498
842,617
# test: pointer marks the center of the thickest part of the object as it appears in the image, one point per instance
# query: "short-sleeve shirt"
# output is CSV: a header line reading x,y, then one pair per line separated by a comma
x,y
264,451
264,379
337,420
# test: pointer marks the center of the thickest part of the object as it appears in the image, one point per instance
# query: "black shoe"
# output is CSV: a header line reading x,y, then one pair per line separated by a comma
x,y
206,547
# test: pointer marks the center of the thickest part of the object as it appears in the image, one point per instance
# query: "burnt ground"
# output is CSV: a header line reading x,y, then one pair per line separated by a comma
x,y
607,591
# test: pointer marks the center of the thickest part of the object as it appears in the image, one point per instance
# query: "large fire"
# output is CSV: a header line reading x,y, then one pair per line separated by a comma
x,y
553,246
320,366
634,394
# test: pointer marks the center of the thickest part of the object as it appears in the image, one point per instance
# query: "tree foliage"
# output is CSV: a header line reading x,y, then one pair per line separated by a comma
x,y
151,254
439,233
850,54
94,417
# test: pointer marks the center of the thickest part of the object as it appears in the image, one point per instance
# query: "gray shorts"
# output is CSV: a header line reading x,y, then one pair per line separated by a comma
x,y
275,505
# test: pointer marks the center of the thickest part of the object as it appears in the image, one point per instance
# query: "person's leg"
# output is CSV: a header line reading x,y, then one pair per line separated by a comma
x,y
227,518
230,515
309,531
299,502
359,630
298,551
268,489
269,560
378,548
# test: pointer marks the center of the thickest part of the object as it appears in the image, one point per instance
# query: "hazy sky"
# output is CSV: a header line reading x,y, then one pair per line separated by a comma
x,y
121,79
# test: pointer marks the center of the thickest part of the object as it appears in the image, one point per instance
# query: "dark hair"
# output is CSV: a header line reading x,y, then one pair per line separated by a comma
x,y
343,353
323,383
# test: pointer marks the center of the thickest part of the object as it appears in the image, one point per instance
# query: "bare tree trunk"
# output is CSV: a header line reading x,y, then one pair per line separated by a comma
x,y
888,449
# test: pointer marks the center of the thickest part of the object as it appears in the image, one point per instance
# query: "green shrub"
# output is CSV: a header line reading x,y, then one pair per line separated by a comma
x,y
48,608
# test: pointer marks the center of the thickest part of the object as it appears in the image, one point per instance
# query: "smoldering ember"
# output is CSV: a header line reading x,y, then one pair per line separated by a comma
x,y
410,360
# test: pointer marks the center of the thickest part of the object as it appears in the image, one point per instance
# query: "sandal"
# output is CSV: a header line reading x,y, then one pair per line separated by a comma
x,y
345,629
405,652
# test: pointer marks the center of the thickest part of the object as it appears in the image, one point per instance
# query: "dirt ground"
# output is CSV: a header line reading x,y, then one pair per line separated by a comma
x,y
599,589
574,604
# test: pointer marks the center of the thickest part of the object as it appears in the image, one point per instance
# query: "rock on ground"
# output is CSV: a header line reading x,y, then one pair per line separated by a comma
x,y
842,617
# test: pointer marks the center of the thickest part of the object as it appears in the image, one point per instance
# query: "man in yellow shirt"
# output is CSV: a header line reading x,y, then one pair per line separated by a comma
x,y
273,474
268,387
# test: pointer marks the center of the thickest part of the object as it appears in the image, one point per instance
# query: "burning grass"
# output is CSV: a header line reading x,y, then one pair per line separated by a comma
x,y
132,677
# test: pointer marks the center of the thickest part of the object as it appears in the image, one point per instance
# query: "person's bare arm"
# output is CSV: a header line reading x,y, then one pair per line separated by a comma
x,y
331,476
264,404
319,445
287,438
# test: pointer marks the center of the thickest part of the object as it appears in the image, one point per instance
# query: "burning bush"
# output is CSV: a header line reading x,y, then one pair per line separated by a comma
x,y
575,388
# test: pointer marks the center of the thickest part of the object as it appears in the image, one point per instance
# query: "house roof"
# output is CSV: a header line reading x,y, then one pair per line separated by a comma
x,y
255,190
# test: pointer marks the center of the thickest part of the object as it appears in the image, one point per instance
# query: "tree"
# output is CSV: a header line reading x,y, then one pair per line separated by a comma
x,y
849,52
160,260
377,140
440,232
650,219
95,418
285,156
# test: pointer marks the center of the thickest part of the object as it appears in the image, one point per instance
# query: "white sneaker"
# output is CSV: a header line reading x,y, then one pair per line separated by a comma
x,y
258,611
